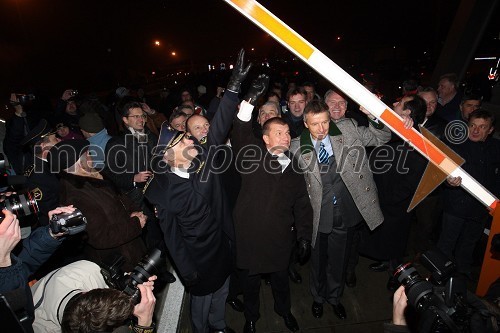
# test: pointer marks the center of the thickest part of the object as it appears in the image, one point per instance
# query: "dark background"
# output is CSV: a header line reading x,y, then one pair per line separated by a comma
x,y
94,45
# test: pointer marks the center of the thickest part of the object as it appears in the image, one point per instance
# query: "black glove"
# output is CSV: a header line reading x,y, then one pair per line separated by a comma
x,y
303,250
191,279
239,73
258,87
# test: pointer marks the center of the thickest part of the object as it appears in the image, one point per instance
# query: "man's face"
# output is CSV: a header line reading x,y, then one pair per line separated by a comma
x,y
136,119
179,123
469,106
62,131
318,124
446,89
337,106
274,99
431,101
51,141
186,96
182,153
278,139
399,106
296,104
267,112
71,107
198,126
310,93
479,129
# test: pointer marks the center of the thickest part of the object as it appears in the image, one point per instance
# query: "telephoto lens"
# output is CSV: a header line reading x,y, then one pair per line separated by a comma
x,y
20,205
147,267
416,287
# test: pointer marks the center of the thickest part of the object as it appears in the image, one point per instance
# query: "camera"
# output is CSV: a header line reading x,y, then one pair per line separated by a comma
x,y
73,93
442,302
23,99
147,267
20,204
68,223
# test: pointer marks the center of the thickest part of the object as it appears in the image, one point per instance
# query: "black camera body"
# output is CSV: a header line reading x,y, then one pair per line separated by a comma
x,y
115,278
23,99
68,223
443,302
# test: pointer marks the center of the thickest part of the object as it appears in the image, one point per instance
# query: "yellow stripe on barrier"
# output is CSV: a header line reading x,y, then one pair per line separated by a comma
x,y
274,25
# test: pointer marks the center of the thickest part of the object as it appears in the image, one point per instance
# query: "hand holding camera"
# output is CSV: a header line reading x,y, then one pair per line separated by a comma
x,y
10,235
145,308
66,221
68,93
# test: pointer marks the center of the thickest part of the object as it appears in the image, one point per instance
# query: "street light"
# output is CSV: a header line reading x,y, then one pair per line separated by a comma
x,y
173,53
157,42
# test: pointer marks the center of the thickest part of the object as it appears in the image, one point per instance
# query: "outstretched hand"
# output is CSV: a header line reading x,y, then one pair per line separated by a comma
x,y
239,73
257,89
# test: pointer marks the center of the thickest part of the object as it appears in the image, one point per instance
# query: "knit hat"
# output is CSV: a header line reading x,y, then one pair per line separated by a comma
x,y
66,153
91,122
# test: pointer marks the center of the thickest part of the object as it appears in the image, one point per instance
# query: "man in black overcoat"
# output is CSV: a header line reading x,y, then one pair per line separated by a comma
x,y
273,197
194,212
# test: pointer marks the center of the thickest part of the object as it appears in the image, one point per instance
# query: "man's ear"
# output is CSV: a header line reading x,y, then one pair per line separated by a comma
x,y
125,120
266,139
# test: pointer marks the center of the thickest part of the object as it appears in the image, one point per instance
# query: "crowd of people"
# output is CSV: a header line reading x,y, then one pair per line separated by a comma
x,y
233,192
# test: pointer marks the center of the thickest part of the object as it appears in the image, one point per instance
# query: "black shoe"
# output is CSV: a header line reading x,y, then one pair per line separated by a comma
x,y
392,284
339,311
249,327
317,310
236,304
169,277
378,266
350,279
291,322
294,276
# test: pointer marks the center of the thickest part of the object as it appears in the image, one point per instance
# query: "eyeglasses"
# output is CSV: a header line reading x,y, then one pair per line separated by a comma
x,y
342,104
138,116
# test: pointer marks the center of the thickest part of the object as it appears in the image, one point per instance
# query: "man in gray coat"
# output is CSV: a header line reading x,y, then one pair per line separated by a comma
x,y
342,192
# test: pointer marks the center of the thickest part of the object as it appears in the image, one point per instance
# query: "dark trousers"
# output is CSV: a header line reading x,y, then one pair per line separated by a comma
x,y
251,290
208,312
459,237
429,215
329,259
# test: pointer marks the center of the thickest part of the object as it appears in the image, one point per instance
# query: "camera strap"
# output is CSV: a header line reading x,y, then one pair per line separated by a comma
x,y
44,288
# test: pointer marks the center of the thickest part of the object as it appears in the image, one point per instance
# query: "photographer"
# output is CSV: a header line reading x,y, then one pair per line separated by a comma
x,y
37,248
76,298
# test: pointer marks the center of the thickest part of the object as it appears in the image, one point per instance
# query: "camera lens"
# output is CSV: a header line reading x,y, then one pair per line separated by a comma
x,y
22,204
416,287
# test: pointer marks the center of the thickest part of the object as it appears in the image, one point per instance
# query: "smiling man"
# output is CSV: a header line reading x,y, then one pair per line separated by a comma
x,y
194,213
332,158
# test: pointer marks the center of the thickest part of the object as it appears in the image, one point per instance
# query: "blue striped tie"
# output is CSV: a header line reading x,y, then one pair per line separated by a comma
x,y
323,154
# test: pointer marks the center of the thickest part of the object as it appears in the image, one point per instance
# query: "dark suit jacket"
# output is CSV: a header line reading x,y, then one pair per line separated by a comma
x,y
269,203
194,213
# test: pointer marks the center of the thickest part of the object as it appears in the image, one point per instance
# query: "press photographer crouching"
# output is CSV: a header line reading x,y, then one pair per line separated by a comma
x,y
15,269
76,298
441,303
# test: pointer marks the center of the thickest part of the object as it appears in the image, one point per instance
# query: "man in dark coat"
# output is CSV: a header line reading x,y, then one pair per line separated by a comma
x,y
273,198
194,213
41,181
113,225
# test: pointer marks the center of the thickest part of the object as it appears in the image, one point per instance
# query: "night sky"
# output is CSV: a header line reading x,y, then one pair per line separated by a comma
x,y
63,43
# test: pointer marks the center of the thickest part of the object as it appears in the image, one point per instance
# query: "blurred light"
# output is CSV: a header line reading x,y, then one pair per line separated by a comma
x,y
153,73
296,73
485,58
338,37
252,49
209,68
394,47
175,82
173,53
157,42
231,66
